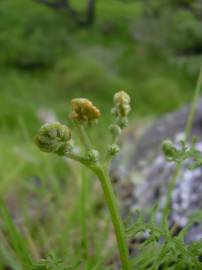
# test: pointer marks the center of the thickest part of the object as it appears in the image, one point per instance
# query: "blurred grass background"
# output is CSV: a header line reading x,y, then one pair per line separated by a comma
x,y
151,49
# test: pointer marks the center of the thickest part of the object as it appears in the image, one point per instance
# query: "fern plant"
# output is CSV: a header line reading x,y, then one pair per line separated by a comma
x,y
57,138
162,248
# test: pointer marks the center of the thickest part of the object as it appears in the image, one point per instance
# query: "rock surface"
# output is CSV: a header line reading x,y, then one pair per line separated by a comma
x,y
142,174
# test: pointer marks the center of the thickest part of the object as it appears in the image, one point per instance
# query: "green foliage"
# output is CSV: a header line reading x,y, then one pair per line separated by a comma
x,y
183,34
37,36
161,249
186,24
17,242
52,263
183,152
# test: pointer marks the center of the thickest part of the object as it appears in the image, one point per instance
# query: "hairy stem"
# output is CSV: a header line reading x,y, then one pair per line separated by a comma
x,y
115,216
77,157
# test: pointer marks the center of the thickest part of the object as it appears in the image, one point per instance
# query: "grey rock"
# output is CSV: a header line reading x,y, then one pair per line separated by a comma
x,y
141,173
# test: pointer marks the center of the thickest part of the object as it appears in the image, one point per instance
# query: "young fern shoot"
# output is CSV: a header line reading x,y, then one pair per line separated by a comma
x,y
56,138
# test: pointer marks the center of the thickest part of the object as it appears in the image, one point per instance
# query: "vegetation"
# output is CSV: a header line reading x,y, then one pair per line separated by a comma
x,y
56,138
47,59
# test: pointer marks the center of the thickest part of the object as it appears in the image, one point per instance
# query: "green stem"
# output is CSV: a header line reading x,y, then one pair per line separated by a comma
x,y
109,197
84,194
77,157
194,105
171,186
115,216
112,206
83,136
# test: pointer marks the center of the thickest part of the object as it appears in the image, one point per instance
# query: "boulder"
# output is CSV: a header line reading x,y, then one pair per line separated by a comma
x,y
141,172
